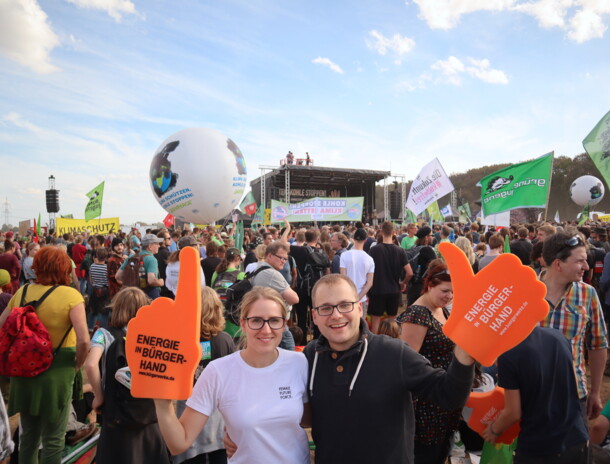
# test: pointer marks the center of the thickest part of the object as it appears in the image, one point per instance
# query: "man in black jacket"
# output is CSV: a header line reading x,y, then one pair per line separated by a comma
x,y
360,384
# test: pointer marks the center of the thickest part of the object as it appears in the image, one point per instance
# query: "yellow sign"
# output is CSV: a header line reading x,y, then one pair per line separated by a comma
x,y
605,218
267,219
103,226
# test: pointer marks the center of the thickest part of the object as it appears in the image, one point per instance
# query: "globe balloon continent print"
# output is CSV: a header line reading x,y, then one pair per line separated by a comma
x,y
162,343
587,190
494,310
198,175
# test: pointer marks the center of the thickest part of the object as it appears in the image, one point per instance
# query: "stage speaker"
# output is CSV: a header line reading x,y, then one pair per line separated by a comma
x,y
52,201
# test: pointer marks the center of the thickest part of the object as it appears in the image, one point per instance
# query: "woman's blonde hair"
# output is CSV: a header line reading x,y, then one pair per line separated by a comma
x,y
125,304
212,319
260,252
464,244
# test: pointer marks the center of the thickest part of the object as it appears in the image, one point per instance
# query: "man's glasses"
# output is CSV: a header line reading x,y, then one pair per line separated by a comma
x,y
282,258
327,310
257,323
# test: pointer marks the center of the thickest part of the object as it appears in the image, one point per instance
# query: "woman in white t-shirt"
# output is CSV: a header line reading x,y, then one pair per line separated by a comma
x,y
260,391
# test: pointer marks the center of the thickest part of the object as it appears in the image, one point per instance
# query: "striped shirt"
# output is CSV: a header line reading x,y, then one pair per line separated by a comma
x,y
579,317
99,275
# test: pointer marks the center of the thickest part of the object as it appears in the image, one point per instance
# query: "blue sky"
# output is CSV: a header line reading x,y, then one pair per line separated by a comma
x,y
90,88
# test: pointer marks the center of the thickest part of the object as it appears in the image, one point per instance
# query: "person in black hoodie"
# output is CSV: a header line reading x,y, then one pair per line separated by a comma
x,y
361,385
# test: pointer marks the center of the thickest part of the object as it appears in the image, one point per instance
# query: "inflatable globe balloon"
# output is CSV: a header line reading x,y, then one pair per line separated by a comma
x,y
198,175
587,189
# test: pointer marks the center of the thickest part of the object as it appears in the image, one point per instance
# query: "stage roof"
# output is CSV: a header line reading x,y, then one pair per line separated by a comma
x,y
305,176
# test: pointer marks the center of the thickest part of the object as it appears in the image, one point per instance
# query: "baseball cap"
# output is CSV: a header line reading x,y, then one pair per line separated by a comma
x,y
186,241
149,239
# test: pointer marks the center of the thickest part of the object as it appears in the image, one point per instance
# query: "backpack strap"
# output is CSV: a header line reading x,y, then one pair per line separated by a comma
x,y
250,275
37,303
25,290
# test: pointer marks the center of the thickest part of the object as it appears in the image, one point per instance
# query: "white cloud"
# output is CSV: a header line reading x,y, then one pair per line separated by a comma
x,y
481,69
450,68
581,19
453,67
114,8
586,24
398,44
26,35
446,14
326,62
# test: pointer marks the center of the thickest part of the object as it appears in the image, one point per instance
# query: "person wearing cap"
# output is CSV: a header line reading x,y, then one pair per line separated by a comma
x,y
5,294
419,257
359,266
172,271
150,244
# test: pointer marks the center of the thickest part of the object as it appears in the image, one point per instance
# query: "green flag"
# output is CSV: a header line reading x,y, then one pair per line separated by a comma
x,y
94,207
584,216
523,185
38,227
259,216
248,204
434,212
597,145
239,235
464,212
409,216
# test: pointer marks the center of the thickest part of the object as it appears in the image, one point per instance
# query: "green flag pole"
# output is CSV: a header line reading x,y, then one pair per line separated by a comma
x,y
548,193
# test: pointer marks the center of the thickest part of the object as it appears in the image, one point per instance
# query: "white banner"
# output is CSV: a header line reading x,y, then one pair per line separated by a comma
x,y
430,184
499,219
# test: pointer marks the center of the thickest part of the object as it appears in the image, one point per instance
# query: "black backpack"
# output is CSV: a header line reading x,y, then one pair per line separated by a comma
x,y
120,408
413,259
235,293
134,273
223,281
315,267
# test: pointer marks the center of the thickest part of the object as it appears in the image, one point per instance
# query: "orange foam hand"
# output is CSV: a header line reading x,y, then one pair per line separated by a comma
x,y
494,310
486,408
162,343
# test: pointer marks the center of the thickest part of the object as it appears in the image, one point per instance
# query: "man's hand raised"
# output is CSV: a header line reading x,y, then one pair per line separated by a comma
x,y
494,310
162,343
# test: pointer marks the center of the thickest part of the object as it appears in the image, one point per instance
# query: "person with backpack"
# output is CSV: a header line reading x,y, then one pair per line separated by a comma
x,y
208,446
172,271
310,267
418,257
227,273
142,269
43,401
130,432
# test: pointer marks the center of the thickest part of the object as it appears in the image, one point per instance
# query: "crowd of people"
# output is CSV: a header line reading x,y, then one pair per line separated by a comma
x,y
378,380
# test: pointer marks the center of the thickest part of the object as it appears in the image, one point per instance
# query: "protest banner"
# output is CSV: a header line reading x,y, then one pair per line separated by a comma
x,y
486,407
318,209
76,226
597,145
494,310
430,184
248,204
94,206
523,185
162,343
24,226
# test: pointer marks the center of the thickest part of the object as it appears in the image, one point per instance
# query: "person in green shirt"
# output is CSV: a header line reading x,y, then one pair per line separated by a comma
x,y
409,240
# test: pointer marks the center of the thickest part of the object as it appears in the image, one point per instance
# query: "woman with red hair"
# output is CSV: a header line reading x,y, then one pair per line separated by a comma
x,y
422,328
44,401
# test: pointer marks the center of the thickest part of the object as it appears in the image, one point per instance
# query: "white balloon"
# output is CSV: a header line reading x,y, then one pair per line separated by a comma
x,y
198,175
587,189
